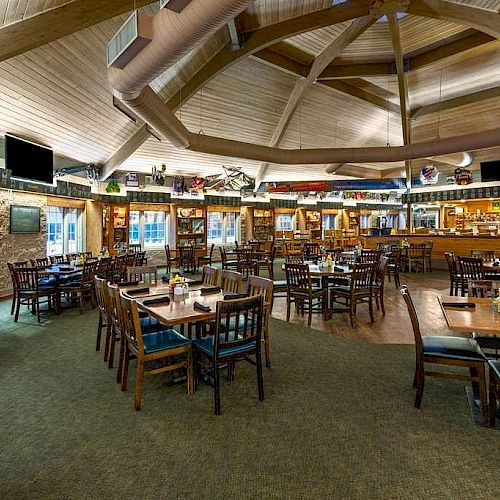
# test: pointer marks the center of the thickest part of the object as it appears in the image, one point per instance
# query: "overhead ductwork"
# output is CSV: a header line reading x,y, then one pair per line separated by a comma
x,y
459,159
174,35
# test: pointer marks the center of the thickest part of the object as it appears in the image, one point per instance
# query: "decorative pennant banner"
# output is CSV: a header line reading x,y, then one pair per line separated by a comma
x,y
332,185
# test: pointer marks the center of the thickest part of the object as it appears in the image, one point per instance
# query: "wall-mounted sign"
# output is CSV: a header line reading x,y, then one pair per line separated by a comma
x,y
132,179
463,176
429,175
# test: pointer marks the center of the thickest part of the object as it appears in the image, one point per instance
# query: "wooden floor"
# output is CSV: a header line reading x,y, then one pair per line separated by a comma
x,y
395,326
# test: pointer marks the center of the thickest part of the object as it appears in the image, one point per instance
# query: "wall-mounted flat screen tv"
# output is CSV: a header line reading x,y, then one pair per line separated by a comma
x,y
24,219
490,171
28,161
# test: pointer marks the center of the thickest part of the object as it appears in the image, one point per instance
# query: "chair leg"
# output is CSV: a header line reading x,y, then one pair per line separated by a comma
x,y
139,383
260,379
190,382
13,306
37,305
309,317
370,306
420,380
216,390
99,331
352,311
382,305
107,340
287,309
121,361
267,347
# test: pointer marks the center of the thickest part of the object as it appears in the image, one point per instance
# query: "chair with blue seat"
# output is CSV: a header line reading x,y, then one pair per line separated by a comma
x,y
448,351
237,338
165,345
82,287
31,291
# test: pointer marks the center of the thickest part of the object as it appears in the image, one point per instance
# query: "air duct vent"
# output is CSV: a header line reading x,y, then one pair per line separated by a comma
x,y
131,38
175,5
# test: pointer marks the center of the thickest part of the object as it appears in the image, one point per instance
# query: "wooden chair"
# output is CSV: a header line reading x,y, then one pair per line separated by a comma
x,y
40,263
104,267
140,258
58,259
369,256
263,286
237,338
231,281
103,303
455,278
170,259
134,247
143,274
210,276
11,266
118,268
415,258
394,265
162,346
428,245
187,258
312,251
447,351
378,282
300,290
266,263
472,276
246,261
231,264
485,255
205,259
360,290
84,286
29,291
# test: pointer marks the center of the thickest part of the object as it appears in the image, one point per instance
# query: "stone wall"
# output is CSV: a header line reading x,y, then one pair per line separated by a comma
x,y
15,247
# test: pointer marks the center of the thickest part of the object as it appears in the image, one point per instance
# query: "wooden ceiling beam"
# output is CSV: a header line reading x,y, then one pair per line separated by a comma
x,y
254,41
363,95
303,84
359,70
404,102
282,62
449,49
456,102
473,17
60,21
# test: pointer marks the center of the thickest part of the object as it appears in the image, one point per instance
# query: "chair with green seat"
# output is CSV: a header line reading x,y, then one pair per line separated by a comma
x,y
167,346
237,338
448,351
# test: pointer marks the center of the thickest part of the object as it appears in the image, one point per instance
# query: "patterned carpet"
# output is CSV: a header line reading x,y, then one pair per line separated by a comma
x,y
337,422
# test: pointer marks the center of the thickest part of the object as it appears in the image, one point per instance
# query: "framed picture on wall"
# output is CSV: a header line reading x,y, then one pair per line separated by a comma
x,y
24,219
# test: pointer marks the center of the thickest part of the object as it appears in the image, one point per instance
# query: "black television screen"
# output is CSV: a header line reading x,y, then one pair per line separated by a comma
x,y
28,161
24,219
490,171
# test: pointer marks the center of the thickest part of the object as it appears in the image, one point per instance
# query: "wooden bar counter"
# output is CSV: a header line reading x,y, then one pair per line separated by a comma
x,y
460,244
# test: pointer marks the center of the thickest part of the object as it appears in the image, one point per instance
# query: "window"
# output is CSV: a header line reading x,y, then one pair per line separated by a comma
x,y
284,222
148,228
64,230
365,221
154,229
328,223
222,227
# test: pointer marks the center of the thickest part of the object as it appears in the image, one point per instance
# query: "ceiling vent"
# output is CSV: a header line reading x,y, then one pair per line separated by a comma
x,y
131,38
175,5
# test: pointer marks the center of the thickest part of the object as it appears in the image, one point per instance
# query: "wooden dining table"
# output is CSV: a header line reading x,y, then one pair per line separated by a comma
x,y
58,271
480,319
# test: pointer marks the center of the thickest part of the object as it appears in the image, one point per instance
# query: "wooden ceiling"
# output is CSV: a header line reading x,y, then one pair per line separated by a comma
x,y
57,93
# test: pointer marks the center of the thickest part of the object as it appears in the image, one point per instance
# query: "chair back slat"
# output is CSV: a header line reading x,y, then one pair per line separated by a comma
x,y
298,278
471,268
144,274
210,275
260,286
89,271
130,322
370,256
26,278
362,276
231,281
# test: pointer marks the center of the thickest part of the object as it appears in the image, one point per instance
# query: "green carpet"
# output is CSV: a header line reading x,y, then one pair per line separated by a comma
x,y
337,422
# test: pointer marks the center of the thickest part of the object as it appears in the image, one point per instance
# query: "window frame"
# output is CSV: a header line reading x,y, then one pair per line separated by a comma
x,y
225,225
66,213
141,229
